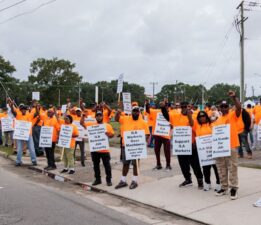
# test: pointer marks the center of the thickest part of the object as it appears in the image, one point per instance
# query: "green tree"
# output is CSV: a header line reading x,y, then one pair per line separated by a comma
x,y
51,76
219,92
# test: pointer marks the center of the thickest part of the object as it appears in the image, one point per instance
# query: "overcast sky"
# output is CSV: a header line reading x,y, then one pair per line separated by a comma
x,y
160,41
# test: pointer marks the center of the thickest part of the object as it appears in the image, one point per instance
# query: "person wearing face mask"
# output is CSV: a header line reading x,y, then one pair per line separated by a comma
x,y
185,161
227,166
203,126
131,123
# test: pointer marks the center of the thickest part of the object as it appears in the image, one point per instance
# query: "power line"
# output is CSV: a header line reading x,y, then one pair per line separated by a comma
x,y
28,12
11,6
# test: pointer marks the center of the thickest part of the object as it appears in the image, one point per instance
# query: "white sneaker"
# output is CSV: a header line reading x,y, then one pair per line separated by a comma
x,y
207,187
218,187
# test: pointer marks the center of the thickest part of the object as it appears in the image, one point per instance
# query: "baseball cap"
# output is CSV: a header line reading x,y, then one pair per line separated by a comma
x,y
135,108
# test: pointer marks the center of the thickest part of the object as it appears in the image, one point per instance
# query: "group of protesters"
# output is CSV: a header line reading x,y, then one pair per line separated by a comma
x,y
243,128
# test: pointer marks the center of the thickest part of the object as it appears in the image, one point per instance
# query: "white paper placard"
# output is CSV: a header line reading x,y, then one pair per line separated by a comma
x,y
120,84
204,148
7,124
63,109
182,140
127,108
259,131
96,94
135,144
82,132
22,130
126,97
36,95
221,141
65,136
162,127
98,140
46,136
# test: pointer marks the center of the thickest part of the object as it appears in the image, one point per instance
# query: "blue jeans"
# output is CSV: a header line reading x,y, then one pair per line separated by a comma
x,y
30,146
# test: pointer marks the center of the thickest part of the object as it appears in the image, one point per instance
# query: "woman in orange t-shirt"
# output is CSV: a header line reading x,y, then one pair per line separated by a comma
x,y
202,126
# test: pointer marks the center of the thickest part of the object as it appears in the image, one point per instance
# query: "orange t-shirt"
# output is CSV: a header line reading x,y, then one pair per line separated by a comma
x,y
106,115
257,113
27,117
129,124
230,118
52,122
202,129
74,133
240,124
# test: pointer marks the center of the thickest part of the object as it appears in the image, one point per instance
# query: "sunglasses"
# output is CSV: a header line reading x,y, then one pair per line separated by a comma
x,y
202,116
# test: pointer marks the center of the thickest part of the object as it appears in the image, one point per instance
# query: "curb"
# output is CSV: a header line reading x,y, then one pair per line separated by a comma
x,y
88,187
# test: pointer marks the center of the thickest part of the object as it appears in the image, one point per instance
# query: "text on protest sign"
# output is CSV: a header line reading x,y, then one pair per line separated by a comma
x,y
82,131
221,141
204,148
127,108
162,127
120,84
22,130
135,144
65,136
89,119
7,124
98,140
182,140
46,136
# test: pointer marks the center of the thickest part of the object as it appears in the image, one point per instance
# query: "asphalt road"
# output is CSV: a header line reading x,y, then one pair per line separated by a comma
x,y
25,202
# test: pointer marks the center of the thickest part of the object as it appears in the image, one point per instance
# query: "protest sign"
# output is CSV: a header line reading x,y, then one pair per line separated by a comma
x,y
7,124
46,136
135,144
120,84
221,141
182,140
36,95
65,136
162,127
204,148
22,130
98,140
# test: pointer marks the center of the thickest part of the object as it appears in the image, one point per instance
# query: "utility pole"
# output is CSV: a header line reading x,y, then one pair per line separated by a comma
x,y
79,95
59,97
153,88
242,61
203,100
253,92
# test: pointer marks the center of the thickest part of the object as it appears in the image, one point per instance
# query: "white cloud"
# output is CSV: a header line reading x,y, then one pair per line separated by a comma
x,y
159,40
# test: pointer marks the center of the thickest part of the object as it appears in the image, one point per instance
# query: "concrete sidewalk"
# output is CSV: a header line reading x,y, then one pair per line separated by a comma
x,y
160,189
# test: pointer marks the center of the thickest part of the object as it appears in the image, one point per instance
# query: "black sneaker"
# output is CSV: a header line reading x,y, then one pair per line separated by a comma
x,y
96,182
83,164
133,185
18,164
186,183
168,168
51,168
47,167
71,171
158,167
109,183
233,194
200,184
34,163
121,185
64,171
221,192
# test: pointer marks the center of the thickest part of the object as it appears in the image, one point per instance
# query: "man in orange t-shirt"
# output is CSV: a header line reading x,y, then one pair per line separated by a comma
x,y
103,155
227,166
51,121
24,115
131,123
257,118
185,161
